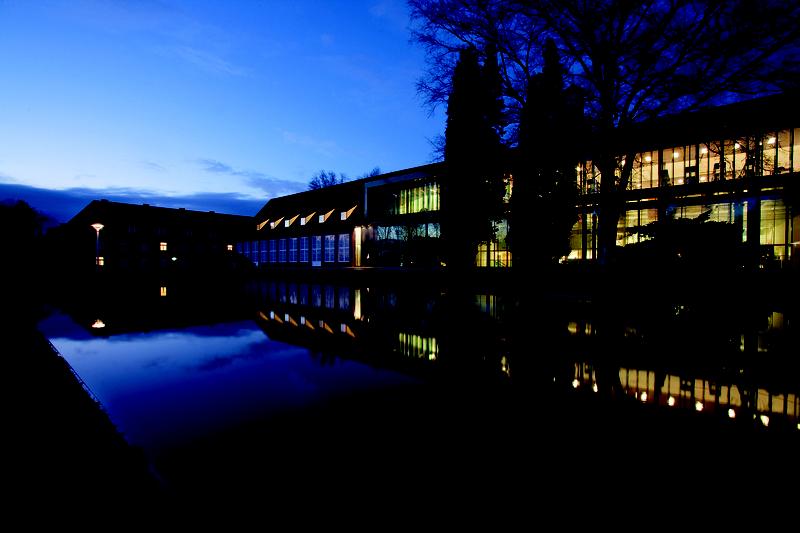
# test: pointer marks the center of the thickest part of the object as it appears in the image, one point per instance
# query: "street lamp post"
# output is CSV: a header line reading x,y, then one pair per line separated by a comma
x,y
97,227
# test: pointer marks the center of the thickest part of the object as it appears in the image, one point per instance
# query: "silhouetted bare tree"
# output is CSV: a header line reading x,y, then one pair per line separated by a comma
x,y
325,178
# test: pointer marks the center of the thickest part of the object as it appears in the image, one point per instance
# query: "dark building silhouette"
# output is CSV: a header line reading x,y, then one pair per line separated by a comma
x,y
116,237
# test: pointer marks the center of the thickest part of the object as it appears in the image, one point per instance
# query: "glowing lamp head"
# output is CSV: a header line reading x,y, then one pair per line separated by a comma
x,y
97,227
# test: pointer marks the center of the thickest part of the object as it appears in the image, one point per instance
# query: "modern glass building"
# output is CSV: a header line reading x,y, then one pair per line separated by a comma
x,y
737,163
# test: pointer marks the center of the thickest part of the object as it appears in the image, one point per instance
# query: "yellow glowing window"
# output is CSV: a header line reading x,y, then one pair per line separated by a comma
x,y
230,247
101,261
162,246
163,291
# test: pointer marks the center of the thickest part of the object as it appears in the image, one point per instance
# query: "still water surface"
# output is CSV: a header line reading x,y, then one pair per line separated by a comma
x,y
169,388
290,377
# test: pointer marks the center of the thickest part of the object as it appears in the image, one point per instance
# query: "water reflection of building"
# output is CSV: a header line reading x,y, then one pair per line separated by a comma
x,y
351,321
703,394
736,164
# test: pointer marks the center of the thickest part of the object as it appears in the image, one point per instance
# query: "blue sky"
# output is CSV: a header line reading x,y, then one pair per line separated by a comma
x,y
207,105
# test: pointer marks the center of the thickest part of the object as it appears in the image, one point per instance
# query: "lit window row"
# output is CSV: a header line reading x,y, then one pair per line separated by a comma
x,y
336,249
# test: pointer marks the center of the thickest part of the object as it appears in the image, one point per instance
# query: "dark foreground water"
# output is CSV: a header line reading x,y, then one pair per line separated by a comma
x,y
291,391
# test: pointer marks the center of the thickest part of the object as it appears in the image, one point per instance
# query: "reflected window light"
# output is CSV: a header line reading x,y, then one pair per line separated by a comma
x,y
343,327
174,258
671,401
765,420
643,397
163,291
698,406
162,246
731,413
575,383
286,317
97,324
594,386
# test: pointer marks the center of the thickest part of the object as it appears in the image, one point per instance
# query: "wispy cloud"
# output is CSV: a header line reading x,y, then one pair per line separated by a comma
x,y
321,146
212,165
207,61
152,165
269,184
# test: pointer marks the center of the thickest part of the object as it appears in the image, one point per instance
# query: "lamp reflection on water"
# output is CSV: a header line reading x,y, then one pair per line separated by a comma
x,y
97,324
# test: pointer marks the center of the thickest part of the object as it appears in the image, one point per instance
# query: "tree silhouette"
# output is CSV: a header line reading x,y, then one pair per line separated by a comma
x,y
325,178
472,191
633,60
545,193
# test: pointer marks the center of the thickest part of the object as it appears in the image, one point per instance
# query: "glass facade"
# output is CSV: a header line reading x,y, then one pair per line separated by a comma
x,y
758,154
417,199
495,254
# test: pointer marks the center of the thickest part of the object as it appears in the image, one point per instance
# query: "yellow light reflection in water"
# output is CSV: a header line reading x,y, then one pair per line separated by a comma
x,y
97,324
731,413
163,291
504,366
643,397
594,387
671,401
765,420
575,383
357,305
698,406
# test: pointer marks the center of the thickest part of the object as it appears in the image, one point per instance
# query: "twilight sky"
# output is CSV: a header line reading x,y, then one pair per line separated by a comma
x,y
203,104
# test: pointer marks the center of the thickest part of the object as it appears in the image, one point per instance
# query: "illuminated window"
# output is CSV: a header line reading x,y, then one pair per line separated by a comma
x,y
273,251
163,291
282,250
101,261
416,199
316,249
229,247
293,250
162,246
344,248
304,249
330,246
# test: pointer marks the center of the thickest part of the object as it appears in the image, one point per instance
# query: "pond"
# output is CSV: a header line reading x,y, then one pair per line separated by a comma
x,y
300,382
